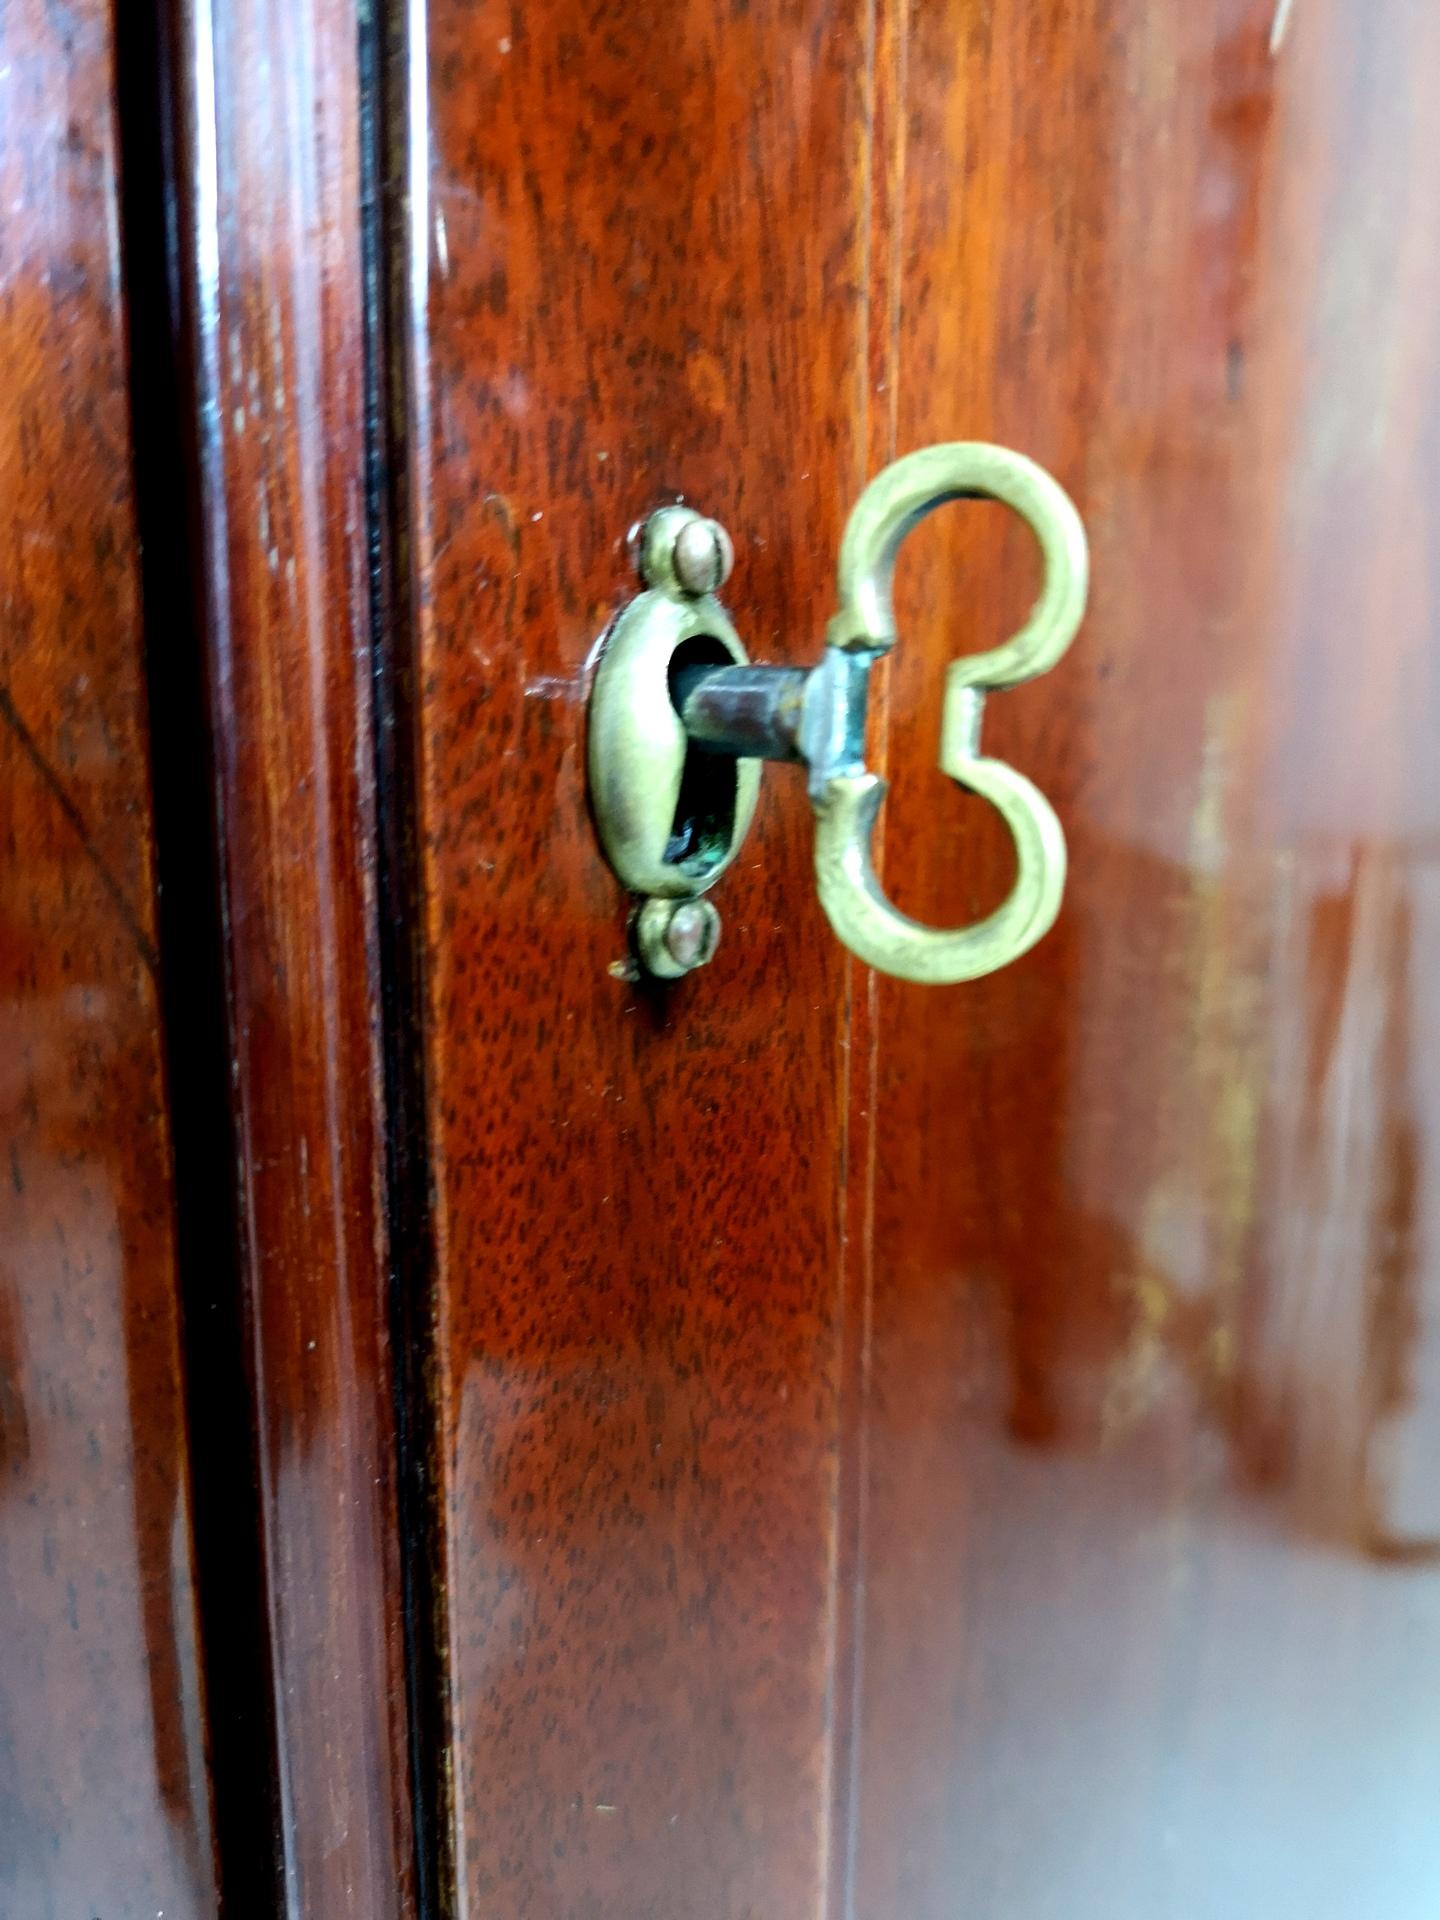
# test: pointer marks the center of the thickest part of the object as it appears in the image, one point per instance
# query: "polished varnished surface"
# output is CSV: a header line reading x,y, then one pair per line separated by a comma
x,y
272,293
1151,1407
898,1454
904,1452
625,292
103,1783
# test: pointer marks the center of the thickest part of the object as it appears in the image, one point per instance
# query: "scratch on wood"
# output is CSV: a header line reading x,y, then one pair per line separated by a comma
x,y
31,746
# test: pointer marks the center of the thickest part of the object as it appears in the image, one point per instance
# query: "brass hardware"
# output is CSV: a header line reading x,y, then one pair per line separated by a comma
x,y
847,798
676,936
676,700
701,555
665,834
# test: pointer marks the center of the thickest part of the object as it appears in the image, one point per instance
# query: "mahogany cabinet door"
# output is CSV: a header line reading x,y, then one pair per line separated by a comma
x,y
785,1443
899,1451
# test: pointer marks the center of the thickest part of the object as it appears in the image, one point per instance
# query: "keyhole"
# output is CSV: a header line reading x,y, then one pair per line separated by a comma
x,y
704,823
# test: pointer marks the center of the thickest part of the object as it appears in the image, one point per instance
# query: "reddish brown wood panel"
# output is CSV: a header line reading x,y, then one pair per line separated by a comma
x,y
104,1796
904,1452
270,190
1150,1521
636,274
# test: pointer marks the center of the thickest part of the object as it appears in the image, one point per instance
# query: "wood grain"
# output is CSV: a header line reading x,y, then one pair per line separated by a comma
x,y
1149,1544
904,1452
636,271
104,1787
272,288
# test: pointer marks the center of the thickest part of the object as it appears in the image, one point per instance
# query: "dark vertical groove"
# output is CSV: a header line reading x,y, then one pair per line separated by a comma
x,y
384,53
234,1633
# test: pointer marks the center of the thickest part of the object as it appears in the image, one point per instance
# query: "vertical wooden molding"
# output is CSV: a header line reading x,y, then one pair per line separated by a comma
x,y
273,286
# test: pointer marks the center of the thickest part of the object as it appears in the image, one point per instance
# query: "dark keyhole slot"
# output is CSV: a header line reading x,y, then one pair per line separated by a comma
x,y
704,822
